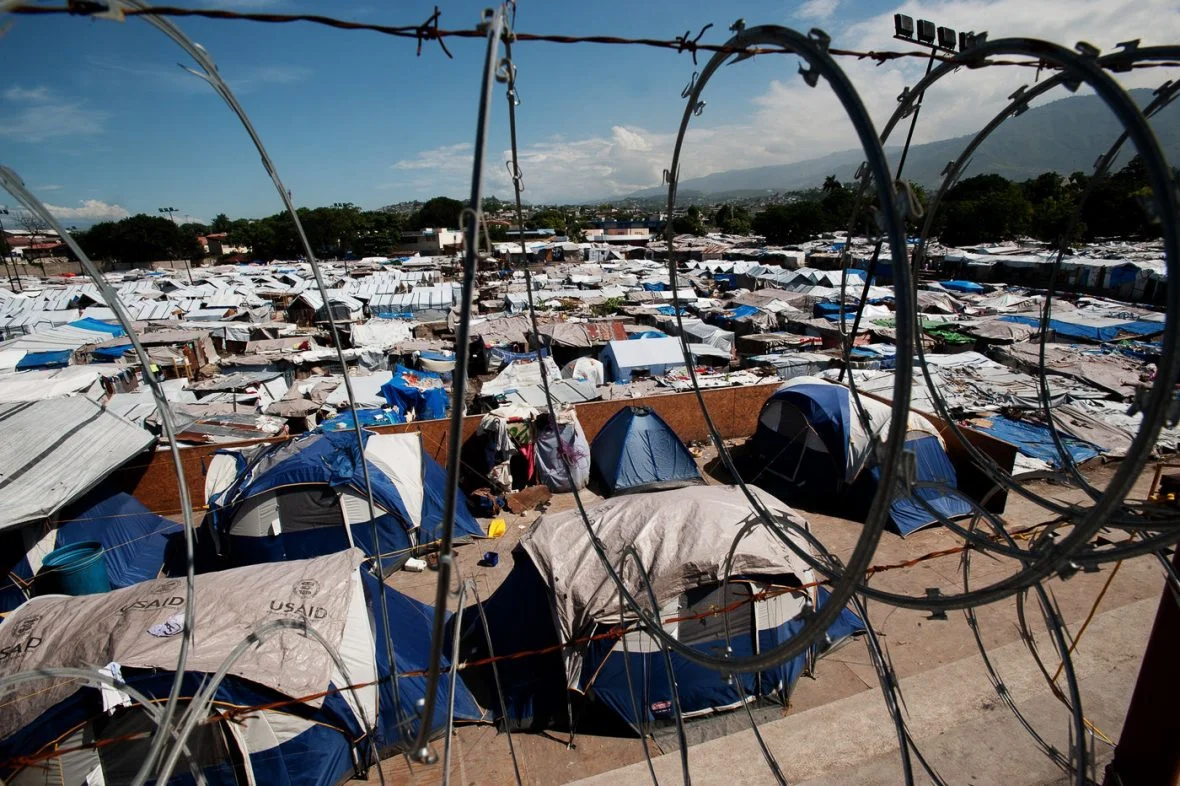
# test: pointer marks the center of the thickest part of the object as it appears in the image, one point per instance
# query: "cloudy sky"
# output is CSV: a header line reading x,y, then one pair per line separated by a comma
x,y
101,122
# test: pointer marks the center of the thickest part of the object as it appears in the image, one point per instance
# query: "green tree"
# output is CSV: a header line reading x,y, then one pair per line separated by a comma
x,y
691,223
794,222
441,212
139,239
220,223
560,221
732,220
984,209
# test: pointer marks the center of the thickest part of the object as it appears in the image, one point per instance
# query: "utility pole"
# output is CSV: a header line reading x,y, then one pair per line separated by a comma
x,y
171,211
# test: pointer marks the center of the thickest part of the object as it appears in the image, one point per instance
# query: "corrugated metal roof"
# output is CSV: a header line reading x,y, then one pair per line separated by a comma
x,y
69,446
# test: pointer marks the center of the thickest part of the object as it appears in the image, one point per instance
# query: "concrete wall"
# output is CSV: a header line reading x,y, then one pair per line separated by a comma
x,y
152,479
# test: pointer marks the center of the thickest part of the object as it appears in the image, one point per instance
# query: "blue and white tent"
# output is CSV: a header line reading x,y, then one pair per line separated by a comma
x,y
349,713
306,497
811,438
134,540
559,600
637,451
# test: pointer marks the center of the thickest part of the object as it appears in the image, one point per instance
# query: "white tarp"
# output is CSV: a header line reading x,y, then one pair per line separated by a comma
x,y
115,627
57,450
682,538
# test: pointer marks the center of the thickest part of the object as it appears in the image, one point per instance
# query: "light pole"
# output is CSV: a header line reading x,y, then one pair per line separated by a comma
x,y
171,211
939,39
344,206
13,279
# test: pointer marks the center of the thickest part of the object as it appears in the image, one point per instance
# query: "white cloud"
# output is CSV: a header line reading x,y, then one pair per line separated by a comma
x,y
448,158
817,9
174,79
49,187
90,210
37,114
27,95
789,121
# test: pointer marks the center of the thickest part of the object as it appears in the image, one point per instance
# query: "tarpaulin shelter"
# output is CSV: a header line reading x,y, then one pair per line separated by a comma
x,y
418,392
654,356
637,451
560,600
345,716
306,497
562,454
812,438
135,543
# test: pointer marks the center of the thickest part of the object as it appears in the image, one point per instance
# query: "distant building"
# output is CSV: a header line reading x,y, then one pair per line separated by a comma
x,y
633,233
33,245
217,244
430,242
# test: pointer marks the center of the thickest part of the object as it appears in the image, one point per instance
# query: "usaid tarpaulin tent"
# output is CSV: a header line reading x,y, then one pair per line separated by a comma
x,y
306,497
349,712
811,437
559,595
637,451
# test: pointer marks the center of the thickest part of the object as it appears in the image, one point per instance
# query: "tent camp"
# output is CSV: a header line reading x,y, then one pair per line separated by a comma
x,y
811,438
318,741
134,543
637,451
558,593
306,497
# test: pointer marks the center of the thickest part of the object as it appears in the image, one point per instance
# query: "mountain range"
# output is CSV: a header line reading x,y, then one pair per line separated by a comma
x,y
1064,136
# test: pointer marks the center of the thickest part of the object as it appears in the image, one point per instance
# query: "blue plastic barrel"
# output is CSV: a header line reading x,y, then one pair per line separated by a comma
x,y
77,569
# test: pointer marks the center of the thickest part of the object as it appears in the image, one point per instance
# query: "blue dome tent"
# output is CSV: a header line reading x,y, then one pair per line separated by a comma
x,y
304,727
637,451
306,497
811,439
559,602
135,543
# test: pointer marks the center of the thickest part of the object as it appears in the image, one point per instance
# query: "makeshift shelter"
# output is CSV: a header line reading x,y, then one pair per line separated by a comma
x,y
418,393
637,451
559,596
812,439
653,356
92,736
135,543
562,454
306,497
586,370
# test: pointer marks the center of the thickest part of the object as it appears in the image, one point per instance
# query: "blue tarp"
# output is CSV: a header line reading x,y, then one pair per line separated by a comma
x,y
505,357
1034,439
402,392
962,286
98,325
670,311
135,542
110,353
648,334
656,286
1064,327
637,451
914,511
369,417
726,281
54,359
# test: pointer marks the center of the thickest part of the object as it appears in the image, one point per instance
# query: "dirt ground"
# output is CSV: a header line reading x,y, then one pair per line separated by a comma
x,y
915,641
